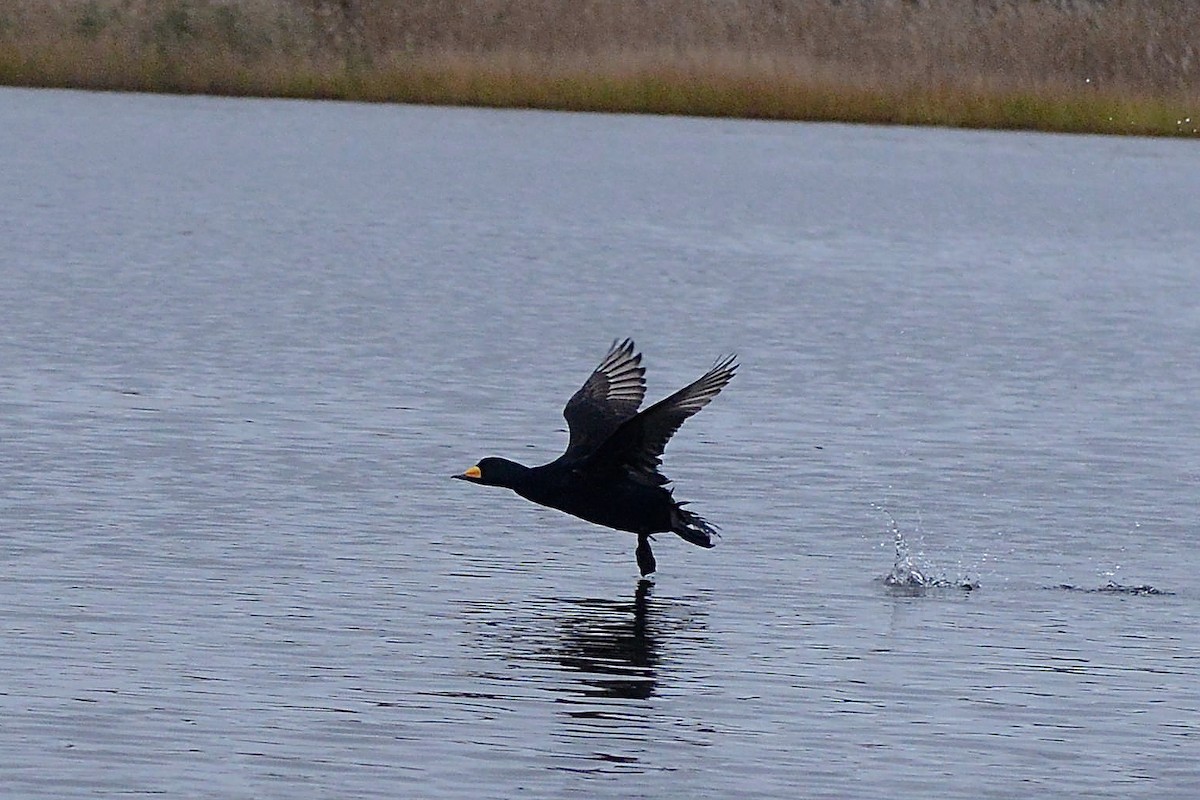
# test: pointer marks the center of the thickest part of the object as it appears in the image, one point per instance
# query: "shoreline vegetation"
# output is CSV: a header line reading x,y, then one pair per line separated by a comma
x,y
1080,66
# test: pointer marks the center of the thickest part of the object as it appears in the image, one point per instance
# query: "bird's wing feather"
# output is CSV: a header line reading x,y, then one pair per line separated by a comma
x,y
637,445
610,396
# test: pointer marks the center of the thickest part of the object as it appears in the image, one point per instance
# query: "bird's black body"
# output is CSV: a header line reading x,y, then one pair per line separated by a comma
x,y
609,472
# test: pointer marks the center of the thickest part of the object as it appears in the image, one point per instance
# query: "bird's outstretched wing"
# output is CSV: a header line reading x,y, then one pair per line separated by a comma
x,y
609,397
637,444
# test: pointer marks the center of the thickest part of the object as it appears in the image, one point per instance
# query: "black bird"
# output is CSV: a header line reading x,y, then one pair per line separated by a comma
x,y
609,473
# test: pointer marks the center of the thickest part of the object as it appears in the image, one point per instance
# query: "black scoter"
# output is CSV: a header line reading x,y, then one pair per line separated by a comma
x,y
609,473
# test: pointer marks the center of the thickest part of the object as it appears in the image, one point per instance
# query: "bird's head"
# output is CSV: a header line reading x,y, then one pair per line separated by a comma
x,y
494,472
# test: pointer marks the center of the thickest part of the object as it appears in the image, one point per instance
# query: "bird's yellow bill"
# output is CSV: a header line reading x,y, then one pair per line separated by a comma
x,y
473,472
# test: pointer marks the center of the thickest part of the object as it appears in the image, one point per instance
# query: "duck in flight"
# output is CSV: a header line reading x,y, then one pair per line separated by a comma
x,y
609,473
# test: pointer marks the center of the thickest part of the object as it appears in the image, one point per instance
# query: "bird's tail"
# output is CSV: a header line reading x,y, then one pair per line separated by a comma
x,y
693,528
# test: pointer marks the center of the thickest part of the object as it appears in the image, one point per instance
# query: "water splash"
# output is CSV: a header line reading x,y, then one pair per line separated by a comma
x,y
905,571
1112,587
912,572
1112,583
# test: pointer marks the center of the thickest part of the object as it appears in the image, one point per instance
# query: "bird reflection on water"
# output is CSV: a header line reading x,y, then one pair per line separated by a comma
x,y
601,664
599,654
612,645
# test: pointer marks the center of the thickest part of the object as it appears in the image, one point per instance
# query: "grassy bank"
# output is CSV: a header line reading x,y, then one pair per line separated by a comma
x,y
1120,66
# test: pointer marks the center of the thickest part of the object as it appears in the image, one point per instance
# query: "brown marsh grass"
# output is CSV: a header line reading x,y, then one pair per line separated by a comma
x,y
1112,66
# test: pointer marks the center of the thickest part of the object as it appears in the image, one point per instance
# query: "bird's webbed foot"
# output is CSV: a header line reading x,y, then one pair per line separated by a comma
x,y
645,556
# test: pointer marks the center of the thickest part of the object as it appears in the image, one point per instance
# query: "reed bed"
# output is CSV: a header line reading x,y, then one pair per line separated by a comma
x,y
1111,66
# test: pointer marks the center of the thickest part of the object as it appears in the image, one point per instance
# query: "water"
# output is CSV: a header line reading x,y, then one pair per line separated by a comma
x,y
245,344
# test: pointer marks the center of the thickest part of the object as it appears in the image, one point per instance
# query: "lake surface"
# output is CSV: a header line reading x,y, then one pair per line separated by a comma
x,y
244,344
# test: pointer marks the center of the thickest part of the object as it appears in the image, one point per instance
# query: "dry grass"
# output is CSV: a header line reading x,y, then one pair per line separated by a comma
x,y
1119,66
